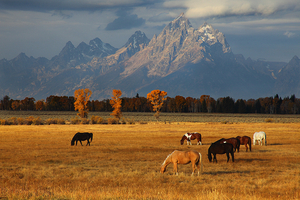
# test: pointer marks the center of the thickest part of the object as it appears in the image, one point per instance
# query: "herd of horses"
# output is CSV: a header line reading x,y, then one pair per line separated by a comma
x,y
221,146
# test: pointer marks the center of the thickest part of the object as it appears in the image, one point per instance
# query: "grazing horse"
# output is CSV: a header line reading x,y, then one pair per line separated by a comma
x,y
235,142
217,148
259,137
183,157
246,141
81,137
191,136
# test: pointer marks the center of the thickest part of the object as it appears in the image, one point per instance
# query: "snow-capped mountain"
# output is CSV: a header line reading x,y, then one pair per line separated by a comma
x,y
181,60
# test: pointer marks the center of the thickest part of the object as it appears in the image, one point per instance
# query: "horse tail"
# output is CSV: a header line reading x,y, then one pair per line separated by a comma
x,y
91,134
201,169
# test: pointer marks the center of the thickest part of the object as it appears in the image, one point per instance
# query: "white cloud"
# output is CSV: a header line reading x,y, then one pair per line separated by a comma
x,y
213,8
289,34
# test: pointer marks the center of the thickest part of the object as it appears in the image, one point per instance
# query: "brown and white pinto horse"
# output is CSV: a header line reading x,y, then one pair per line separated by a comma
x,y
246,141
235,142
183,157
191,136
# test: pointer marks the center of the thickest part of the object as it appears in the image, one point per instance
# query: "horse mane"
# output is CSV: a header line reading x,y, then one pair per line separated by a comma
x,y
167,158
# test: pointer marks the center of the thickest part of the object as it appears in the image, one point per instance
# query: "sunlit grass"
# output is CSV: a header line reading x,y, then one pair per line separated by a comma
x,y
123,162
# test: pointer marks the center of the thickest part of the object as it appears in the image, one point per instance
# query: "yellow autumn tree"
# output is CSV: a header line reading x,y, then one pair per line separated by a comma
x,y
116,102
157,98
82,97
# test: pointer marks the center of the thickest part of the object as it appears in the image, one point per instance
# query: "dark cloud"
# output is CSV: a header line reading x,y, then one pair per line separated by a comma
x,y
125,21
62,14
71,5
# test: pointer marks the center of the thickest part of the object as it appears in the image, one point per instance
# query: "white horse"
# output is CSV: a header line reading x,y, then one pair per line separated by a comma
x,y
259,137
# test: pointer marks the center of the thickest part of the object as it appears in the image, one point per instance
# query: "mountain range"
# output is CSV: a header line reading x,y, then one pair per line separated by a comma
x,y
181,60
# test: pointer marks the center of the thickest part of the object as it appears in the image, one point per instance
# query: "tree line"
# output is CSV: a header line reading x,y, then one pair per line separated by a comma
x,y
204,104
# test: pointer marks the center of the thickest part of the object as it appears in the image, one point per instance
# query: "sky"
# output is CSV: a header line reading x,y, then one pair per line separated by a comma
x,y
260,29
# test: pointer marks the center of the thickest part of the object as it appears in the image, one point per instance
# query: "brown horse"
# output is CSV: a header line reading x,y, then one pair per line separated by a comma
x,y
191,136
220,148
235,142
183,157
246,141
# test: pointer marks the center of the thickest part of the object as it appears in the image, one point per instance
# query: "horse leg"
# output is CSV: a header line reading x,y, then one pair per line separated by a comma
x,y
227,154
246,147
232,156
175,168
88,142
80,142
194,168
215,158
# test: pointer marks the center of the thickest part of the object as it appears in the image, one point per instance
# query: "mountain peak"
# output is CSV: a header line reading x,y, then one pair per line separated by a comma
x,y
136,39
180,22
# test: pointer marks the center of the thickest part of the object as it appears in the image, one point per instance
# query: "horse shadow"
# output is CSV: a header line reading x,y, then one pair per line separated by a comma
x,y
249,160
275,144
228,172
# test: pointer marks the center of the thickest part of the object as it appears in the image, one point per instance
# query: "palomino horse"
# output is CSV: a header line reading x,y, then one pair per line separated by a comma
x,y
81,137
246,141
183,157
259,137
235,142
217,148
191,136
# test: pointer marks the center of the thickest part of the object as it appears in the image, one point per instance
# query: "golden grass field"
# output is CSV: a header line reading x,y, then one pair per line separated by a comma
x,y
123,162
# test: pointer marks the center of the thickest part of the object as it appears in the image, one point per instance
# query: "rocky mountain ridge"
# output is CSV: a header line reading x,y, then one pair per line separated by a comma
x,y
181,60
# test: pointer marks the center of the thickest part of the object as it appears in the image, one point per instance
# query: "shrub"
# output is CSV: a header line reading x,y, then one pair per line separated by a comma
x,y
96,120
37,121
13,121
29,120
75,120
127,121
85,121
21,121
4,122
50,121
112,121
269,120
60,121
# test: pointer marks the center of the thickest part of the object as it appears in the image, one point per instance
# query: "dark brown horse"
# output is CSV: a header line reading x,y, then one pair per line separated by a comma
x,y
81,137
246,141
235,142
220,148
191,136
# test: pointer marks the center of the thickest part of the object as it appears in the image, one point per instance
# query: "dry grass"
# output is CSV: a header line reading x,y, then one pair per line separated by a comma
x,y
123,162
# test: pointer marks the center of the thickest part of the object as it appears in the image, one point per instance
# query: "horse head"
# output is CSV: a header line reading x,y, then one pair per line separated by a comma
x,y
209,156
182,139
162,169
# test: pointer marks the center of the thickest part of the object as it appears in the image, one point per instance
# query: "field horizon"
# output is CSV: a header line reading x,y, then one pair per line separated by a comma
x,y
123,162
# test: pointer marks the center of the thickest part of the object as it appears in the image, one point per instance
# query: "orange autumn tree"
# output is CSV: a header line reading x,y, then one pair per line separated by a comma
x,y
157,98
116,102
82,97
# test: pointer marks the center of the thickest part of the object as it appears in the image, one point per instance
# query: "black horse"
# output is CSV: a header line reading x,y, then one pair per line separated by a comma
x,y
81,137
217,148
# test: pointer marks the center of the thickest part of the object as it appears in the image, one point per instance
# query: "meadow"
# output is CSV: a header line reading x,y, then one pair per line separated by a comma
x,y
123,161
